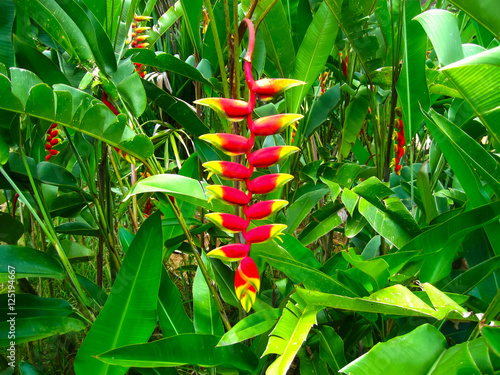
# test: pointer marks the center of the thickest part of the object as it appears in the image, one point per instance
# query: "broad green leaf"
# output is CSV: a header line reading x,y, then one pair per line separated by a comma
x,y
132,92
11,229
164,61
74,251
70,107
481,11
468,159
165,21
312,55
179,110
28,262
97,294
289,334
311,364
77,228
428,200
6,20
59,25
189,348
492,338
412,85
183,188
67,205
129,315
278,41
455,360
27,369
224,276
376,269
310,277
331,348
302,207
355,114
320,110
37,328
329,217
469,279
442,28
53,174
251,326
172,316
206,316
193,12
416,352
29,305
485,100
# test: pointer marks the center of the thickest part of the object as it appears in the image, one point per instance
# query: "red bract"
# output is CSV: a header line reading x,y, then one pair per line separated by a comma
x,y
247,281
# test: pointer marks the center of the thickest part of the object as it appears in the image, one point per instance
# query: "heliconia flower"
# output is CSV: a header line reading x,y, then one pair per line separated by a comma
x,y
142,18
269,183
126,156
54,133
54,141
398,169
400,152
142,29
265,209
269,156
228,222
228,170
53,152
48,146
229,194
230,144
265,233
247,282
47,158
230,253
231,109
143,45
142,38
268,88
271,125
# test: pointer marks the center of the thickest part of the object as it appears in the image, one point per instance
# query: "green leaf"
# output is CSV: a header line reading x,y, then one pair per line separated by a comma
x,y
416,352
183,188
355,114
469,279
492,338
29,305
171,313
331,348
251,326
77,228
164,61
481,11
75,251
442,28
28,369
412,85
329,217
189,348
485,101
299,209
179,110
289,334
428,200
6,21
312,54
165,21
70,107
133,94
59,25
310,277
129,315
67,205
193,13
37,328
28,262
320,110
206,316
11,229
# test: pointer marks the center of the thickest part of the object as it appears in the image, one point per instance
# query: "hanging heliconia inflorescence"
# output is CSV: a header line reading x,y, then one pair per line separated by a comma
x,y
247,280
51,141
138,38
399,146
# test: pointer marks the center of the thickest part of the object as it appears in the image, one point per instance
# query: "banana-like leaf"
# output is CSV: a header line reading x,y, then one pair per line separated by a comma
x,y
28,262
331,348
312,54
37,328
423,351
193,11
206,316
65,105
299,209
481,11
355,114
251,326
129,315
393,300
29,305
189,348
165,21
11,230
442,28
412,85
485,99
289,334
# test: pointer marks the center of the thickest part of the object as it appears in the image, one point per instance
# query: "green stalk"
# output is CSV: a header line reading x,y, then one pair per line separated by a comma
x,y
218,47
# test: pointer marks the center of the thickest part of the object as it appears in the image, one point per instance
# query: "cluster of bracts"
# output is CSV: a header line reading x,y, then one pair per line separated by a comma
x,y
51,141
399,146
138,38
247,280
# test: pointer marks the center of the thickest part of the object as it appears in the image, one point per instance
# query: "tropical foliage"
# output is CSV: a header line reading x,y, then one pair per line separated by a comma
x,y
349,219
